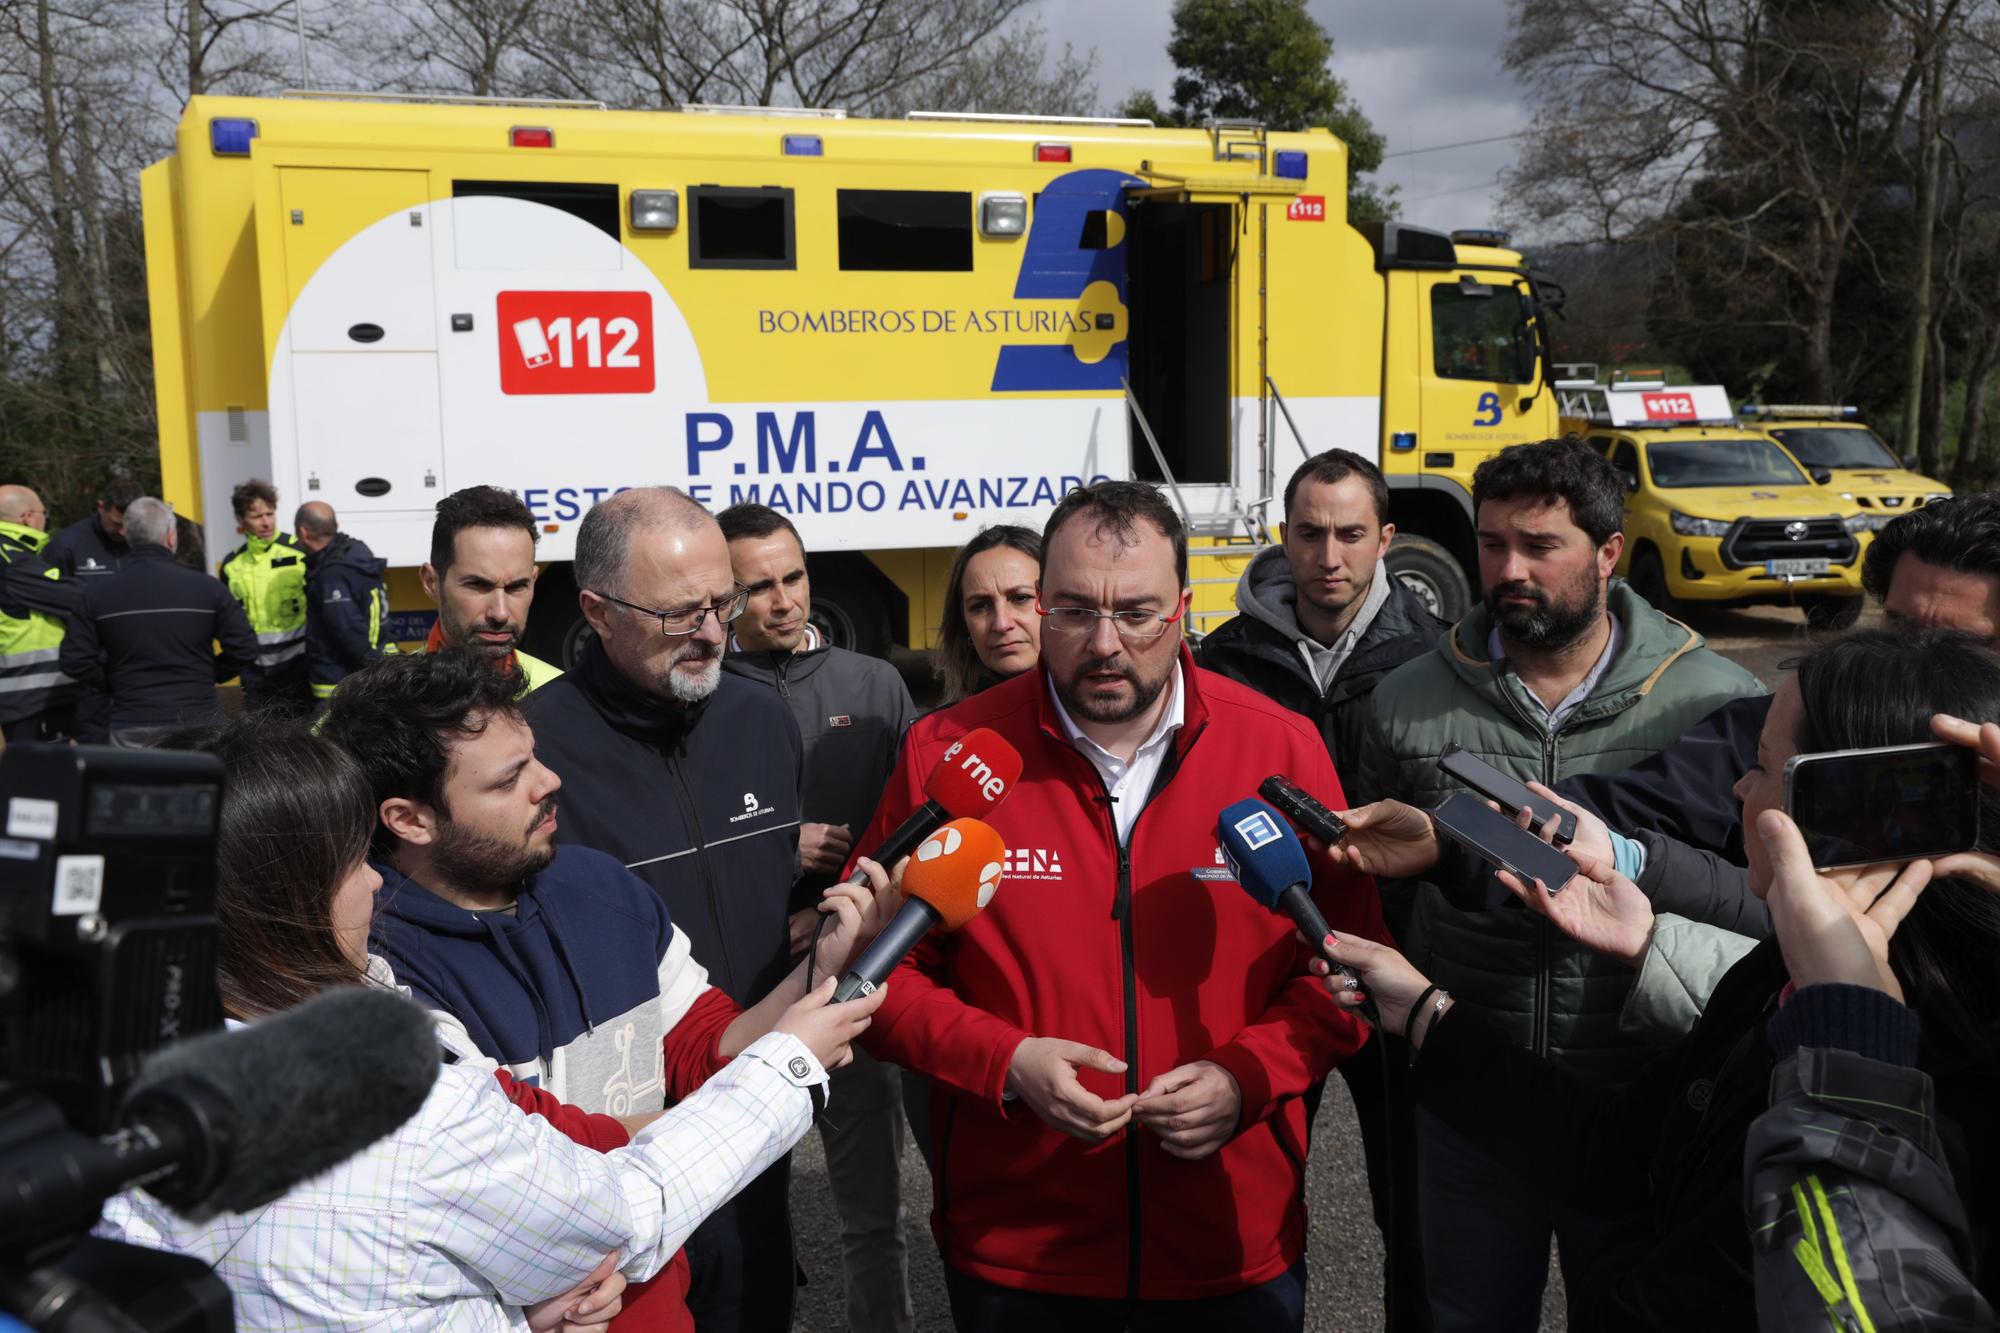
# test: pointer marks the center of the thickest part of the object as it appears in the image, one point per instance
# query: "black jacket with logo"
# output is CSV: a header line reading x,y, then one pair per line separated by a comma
x,y
84,550
700,801
852,711
346,605
1260,649
145,634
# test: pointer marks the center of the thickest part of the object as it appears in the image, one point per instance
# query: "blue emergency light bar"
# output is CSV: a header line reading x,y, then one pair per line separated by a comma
x,y
1290,163
230,136
802,145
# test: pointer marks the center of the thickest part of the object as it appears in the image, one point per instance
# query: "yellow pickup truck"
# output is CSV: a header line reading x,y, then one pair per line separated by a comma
x,y
1716,513
1857,465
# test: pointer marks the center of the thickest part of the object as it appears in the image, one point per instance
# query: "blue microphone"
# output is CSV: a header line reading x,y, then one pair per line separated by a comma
x,y
1268,861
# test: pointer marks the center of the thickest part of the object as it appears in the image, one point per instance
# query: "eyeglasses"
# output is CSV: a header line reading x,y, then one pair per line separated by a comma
x,y
675,624
1138,626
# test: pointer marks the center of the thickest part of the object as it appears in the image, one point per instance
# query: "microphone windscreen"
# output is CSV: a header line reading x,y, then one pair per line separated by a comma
x,y
1263,852
974,774
308,1088
957,870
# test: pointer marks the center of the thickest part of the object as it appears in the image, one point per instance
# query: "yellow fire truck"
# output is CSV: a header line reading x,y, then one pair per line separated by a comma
x,y
895,332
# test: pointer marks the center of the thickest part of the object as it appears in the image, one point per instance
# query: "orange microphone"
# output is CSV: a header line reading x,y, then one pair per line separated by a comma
x,y
951,876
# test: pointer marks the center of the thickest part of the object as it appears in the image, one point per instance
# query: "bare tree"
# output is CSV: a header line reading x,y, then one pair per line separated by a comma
x,y
1765,125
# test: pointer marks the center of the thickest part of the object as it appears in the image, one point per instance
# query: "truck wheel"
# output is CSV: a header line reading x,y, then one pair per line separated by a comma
x,y
848,612
1429,571
556,627
1649,580
1833,613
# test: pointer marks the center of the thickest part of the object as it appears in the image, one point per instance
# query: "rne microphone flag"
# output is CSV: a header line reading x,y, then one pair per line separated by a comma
x,y
971,778
1269,862
951,877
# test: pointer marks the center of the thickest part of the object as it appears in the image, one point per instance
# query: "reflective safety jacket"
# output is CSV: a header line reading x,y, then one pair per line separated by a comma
x,y
35,605
347,611
535,673
268,580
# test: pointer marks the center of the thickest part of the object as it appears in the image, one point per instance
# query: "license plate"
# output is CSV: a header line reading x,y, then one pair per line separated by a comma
x,y
1794,569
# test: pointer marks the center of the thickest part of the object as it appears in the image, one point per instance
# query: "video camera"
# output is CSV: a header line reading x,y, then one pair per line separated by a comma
x,y
107,953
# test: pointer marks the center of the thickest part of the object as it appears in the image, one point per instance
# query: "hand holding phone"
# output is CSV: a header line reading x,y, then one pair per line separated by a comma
x,y
1502,844
1888,803
1509,793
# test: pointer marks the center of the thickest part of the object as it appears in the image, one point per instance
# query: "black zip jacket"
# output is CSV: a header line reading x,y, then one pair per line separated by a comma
x,y
1685,791
144,636
852,711
84,550
345,608
1663,1154
1250,649
701,802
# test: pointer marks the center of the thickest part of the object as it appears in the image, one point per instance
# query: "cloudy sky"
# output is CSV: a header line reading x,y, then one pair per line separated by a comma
x,y
1427,72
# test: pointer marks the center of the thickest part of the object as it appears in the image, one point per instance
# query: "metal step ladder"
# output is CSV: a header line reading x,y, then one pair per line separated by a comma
x,y
1234,523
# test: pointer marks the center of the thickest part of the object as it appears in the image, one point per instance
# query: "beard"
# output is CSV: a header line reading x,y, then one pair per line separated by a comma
x,y
1080,703
692,689
1556,619
486,863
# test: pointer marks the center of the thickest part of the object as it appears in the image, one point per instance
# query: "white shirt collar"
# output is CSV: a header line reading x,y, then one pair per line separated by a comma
x,y
1171,720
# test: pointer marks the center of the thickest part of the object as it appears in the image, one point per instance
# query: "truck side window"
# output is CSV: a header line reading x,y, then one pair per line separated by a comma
x,y
1480,337
1626,460
905,231
740,227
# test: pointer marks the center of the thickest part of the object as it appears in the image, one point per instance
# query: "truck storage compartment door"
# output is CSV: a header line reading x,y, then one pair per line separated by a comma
x,y
357,357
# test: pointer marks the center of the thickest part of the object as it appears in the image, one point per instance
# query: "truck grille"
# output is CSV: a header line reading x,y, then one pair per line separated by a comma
x,y
1754,540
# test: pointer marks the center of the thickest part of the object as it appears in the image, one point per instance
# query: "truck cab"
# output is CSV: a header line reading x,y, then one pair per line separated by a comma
x,y
1716,513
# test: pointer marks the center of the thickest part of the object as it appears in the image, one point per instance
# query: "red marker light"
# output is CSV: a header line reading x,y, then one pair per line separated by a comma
x,y
1051,152
530,136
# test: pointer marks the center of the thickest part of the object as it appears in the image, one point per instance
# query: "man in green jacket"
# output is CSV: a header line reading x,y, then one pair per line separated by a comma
x,y
267,577
1564,670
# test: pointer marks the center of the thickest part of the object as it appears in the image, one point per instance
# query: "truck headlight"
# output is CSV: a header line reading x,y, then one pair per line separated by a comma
x,y
1861,522
1687,525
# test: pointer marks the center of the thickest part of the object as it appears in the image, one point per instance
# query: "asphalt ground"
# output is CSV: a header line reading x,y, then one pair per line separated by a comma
x,y
1344,1291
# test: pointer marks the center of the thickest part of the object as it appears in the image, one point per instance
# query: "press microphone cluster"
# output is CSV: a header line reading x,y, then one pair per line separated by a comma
x,y
952,876
971,778
1270,863
227,1122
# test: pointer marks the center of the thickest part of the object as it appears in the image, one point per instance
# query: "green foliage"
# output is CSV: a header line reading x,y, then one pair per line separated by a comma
x,y
1266,61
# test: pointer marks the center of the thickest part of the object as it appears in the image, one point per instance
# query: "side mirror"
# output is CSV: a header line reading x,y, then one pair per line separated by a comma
x,y
1820,475
1631,482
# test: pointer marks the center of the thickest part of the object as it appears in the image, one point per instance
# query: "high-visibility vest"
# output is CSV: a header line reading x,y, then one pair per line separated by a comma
x,y
31,641
268,578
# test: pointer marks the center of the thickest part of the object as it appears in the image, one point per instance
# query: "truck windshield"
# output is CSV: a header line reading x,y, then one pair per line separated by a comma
x,y
1833,446
1480,337
1678,464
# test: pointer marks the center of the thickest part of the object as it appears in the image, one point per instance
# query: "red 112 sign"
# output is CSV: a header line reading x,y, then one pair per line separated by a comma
x,y
576,342
1307,208
1669,406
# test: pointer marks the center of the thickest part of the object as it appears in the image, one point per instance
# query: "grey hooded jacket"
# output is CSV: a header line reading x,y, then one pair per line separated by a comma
x,y
852,711
1261,648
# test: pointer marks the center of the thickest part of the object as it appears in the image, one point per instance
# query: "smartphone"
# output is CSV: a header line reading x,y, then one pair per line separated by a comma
x,y
1502,843
1896,803
1511,794
534,344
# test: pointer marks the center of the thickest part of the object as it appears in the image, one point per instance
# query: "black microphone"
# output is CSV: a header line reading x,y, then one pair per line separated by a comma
x,y
227,1122
972,776
952,876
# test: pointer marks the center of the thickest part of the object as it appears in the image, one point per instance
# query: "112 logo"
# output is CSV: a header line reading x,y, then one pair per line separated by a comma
x,y
576,342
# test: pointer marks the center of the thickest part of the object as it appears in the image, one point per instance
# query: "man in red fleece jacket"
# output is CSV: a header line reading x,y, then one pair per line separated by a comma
x,y
1120,1042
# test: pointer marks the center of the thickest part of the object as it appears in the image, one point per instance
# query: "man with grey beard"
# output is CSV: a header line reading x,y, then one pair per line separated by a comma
x,y
1564,671
691,778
